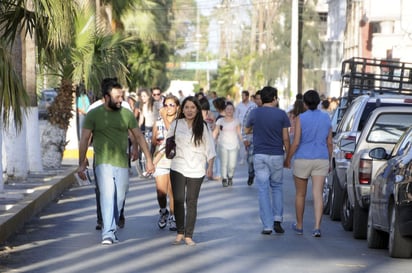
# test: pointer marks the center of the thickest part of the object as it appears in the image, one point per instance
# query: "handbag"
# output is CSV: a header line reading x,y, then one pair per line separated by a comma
x,y
171,145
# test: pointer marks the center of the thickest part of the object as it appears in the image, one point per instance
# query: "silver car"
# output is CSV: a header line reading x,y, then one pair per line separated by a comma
x,y
348,130
384,128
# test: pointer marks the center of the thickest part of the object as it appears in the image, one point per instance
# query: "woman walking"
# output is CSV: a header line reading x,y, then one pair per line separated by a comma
x,y
228,134
312,148
194,149
167,115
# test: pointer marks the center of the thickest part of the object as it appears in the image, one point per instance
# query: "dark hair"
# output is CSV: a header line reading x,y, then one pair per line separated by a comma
x,y
108,84
204,104
298,107
311,99
219,103
156,88
268,94
258,93
229,103
198,123
325,104
245,92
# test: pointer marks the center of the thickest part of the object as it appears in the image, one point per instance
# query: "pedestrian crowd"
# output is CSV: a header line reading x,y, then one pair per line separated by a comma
x,y
212,136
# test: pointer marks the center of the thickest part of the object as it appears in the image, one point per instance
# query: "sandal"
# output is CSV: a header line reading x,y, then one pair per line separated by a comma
x,y
179,239
189,241
299,231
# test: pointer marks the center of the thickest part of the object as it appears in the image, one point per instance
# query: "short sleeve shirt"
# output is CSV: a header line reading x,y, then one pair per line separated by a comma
x,y
110,134
268,124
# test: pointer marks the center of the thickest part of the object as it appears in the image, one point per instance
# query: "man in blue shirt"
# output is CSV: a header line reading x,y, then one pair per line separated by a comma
x,y
271,141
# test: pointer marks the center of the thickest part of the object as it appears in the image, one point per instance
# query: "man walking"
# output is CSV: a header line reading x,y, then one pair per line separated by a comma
x,y
240,113
110,124
271,142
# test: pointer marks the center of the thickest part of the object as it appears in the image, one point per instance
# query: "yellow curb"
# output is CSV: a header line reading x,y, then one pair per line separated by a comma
x,y
74,153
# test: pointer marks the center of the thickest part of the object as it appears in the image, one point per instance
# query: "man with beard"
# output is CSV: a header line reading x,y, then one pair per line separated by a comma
x,y
110,125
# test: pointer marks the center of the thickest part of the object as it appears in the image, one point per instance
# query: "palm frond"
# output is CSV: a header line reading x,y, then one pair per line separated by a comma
x,y
13,98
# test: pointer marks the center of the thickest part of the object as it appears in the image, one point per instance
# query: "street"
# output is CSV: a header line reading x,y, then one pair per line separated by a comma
x,y
63,237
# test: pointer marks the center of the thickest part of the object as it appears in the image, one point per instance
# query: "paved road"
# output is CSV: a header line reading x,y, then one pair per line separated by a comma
x,y
62,238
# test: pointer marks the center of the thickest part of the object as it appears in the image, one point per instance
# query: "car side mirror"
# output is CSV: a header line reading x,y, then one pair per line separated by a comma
x,y
378,153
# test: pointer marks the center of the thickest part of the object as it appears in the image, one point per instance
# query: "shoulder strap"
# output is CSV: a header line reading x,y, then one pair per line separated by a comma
x,y
174,132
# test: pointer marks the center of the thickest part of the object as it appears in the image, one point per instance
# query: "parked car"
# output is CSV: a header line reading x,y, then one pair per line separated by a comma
x,y
352,123
384,127
47,97
390,212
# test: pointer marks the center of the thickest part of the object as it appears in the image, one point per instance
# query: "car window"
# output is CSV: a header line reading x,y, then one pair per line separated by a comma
x,y
348,119
370,106
389,127
404,144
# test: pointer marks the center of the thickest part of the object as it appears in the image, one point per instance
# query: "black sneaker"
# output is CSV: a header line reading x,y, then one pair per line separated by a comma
x,y
122,221
99,225
224,183
250,180
277,227
162,223
230,181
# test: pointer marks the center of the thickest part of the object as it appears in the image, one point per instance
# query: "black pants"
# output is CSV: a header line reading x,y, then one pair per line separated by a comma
x,y
185,189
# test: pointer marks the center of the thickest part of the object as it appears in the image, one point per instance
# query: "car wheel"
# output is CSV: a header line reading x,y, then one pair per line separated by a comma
x,y
327,195
360,222
346,215
376,238
399,246
336,200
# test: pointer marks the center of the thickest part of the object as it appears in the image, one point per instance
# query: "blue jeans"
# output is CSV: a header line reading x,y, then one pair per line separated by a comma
x,y
228,160
251,170
269,179
216,164
113,185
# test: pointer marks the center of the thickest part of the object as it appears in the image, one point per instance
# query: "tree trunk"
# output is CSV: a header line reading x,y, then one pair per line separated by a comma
x,y
54,135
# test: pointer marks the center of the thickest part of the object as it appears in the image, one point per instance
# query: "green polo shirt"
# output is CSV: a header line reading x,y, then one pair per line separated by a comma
x,y
110,135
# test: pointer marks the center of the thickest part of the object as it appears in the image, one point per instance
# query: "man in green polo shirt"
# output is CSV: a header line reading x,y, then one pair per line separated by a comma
x,y
110,125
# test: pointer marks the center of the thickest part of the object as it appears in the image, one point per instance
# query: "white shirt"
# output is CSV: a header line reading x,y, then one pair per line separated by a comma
x,y
241,110
190,160
228,136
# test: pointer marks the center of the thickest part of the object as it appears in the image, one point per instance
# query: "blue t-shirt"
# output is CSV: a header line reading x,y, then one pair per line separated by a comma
x,y
313,141
268,124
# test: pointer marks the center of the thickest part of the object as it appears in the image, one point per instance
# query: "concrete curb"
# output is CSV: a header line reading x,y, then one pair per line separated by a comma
x,y
15,218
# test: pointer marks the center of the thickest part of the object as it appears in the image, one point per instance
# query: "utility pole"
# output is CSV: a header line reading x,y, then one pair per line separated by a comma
x,y
296,53
294,47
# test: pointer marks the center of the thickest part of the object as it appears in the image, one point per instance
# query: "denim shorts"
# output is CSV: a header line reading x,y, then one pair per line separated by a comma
x,y
161,171
304,168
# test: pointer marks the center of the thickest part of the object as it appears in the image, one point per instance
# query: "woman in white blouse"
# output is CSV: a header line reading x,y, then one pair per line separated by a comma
x,y
194,148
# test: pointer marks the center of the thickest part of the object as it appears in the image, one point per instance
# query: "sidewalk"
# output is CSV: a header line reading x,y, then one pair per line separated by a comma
x,y
21,200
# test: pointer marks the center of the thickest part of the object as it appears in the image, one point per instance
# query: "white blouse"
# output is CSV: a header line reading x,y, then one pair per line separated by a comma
x,y
190,160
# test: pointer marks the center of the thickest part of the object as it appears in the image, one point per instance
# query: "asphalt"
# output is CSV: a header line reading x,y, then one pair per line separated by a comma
x,y
21,200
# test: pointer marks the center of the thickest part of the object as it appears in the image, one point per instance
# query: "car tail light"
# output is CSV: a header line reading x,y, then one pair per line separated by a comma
x,y
348,155
365,171
407,100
